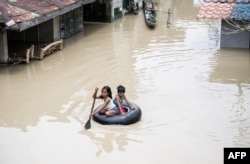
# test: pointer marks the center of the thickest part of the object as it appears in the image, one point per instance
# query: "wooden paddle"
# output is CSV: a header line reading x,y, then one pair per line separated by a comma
x,y
88,123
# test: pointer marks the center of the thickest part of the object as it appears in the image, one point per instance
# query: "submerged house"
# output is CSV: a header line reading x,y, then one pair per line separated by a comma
x,y
46,21
28,21
235,20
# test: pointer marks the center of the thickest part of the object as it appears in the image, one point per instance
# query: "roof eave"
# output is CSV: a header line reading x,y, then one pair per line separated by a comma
x,y
84,2
20,26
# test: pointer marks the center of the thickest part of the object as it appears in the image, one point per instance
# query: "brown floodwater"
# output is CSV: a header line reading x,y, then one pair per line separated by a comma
x,y
194,96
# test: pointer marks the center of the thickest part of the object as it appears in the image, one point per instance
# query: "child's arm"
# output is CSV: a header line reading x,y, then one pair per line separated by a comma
x,y
119,105
128,103
102,107
105,103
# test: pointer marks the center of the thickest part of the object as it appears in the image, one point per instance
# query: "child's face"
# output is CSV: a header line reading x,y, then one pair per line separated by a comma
x,y
121,93
104,93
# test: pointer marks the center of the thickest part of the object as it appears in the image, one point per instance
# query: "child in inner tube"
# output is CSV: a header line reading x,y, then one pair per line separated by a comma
x,y
108,108
121,100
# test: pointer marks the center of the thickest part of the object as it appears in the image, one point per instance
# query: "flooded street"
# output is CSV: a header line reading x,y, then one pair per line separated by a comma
x,y
194,96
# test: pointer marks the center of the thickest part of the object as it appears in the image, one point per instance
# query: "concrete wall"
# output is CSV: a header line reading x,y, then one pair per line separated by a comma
x,y
40,33
70,23
116,4
99,11
105,11
230,39
3,47
109,7
16,36
56,28
31,34
46,31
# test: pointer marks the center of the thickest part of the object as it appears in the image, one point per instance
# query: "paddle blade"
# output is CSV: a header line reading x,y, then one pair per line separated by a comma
x,y
88,124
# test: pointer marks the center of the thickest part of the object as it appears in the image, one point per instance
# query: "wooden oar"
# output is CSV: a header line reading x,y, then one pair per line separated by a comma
x,y
88,123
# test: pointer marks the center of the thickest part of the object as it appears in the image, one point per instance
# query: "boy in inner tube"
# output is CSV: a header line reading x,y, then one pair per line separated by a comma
x,y
121,100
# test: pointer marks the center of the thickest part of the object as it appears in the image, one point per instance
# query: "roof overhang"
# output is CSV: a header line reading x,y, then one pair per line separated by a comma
x,y
85,2
20,15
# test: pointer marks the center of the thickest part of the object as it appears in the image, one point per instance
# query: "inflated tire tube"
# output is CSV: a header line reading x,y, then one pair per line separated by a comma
x,y
130,117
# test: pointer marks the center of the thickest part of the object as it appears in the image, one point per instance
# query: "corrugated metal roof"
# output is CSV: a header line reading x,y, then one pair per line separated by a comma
x,y
241,12
225,9
22,10
27,10
228,1
17,14
215,10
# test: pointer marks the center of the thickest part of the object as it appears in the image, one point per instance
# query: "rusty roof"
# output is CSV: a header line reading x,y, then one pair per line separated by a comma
x,y
21,11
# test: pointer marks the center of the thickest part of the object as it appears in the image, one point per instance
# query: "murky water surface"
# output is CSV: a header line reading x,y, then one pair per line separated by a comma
x,y
195,97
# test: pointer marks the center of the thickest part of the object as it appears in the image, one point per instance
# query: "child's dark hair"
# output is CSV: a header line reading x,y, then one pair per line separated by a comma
x,y
108,89
120,88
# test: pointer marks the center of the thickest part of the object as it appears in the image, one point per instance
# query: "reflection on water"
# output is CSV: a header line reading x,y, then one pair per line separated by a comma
x,y
193,95
106,142
238,62
241,119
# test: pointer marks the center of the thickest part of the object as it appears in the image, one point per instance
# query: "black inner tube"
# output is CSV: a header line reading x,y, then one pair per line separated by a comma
x,y
130,117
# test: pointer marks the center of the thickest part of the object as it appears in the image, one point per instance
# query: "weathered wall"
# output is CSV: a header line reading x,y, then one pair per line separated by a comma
x,y
56,28
3,47
32,34
116,9
71,23
229,39
45,33
98,11
40,33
